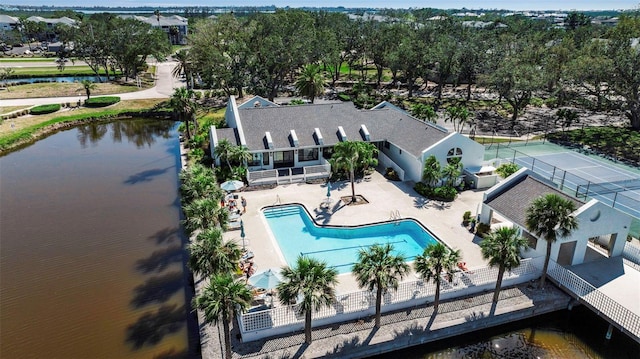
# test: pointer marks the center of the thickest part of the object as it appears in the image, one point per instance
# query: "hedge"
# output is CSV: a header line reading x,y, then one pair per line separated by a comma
x,y
444,193
44,109
101,101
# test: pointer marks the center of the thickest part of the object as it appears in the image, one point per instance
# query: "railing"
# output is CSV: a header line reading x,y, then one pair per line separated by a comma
x,y
288,175
627,320
350,306
262,177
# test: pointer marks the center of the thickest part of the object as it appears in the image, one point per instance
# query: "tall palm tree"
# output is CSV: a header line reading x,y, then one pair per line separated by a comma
x,y
209,254
184,105
549,216
224,152
218,300
435,260
378,268
203,213
432,171
310,83
314,281
241,154
452,171
199,181
502,248
351,155
183,67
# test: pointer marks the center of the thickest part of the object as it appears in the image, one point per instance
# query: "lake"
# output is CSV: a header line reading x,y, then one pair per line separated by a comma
x,y
92,260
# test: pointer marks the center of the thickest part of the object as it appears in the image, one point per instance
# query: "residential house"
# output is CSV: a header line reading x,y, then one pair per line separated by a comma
x,y
600,227
175,26
8,23
300,139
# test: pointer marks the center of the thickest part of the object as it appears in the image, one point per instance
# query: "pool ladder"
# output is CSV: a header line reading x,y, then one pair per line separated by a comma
x,y
395,215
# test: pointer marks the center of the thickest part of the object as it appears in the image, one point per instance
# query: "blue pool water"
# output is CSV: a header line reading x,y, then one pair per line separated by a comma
x,y
297,234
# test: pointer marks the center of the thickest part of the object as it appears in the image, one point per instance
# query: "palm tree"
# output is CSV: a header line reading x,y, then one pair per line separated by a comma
x,y
435,260
209,254
314,281
502,248
549,216
203,213
224,152
199,181
241,154
88,86
452,171
378,268
459,116
183,67
310,83
183,104
350,155
432,171
218,300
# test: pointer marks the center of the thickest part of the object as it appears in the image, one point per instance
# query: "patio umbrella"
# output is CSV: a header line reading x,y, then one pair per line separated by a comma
x,y
242,233
267,279
232,185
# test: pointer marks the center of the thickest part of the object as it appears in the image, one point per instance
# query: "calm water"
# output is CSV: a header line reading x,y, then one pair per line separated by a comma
x,y
91,264
53,79
561,335
297,234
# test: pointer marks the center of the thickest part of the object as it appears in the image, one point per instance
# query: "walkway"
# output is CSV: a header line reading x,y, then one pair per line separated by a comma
x,y
165,83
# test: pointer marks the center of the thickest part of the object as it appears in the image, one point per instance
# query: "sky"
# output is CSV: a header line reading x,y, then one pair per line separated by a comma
x,y
441,4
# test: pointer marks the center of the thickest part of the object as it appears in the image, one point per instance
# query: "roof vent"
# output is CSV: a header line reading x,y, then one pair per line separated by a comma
x,y
269,140
294,138
343,135
318,136
365,132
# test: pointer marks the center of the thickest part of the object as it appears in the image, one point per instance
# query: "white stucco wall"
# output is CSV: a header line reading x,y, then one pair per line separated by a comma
x,y
410,164
472,152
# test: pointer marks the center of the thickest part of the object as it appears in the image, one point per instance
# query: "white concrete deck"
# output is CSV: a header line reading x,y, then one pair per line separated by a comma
x,y
384,196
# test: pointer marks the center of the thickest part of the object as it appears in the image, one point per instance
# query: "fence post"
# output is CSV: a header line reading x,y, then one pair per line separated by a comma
x,y
562,182
498,150
554,173
615,197
533,164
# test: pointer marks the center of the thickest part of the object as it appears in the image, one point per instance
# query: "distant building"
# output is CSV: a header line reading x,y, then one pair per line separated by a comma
x,y
175,26
8,23
51,23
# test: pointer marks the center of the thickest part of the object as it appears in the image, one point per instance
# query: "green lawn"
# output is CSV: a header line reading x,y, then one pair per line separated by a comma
x,y
27,59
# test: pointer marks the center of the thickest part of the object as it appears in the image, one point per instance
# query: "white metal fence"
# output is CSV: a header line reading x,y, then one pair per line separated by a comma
x,y
269,322
627,320
631,252
288,175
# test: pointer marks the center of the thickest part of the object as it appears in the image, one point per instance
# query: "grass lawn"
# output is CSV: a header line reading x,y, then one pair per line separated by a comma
x,y
7,109
62,89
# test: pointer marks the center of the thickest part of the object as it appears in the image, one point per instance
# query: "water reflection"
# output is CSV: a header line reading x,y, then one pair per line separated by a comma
x,y
139,132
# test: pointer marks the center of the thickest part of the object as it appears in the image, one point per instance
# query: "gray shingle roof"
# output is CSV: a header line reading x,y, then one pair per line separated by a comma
x,y
514,200
230,134
408,133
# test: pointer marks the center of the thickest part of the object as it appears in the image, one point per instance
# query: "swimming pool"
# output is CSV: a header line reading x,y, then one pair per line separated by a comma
x,y
297,234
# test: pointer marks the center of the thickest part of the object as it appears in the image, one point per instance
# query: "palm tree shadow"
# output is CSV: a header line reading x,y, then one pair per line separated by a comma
x,y
151,327
420,202
146,176
158,289
160,259
167,235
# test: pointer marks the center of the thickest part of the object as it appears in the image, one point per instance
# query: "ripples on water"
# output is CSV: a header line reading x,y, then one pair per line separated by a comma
x,y
92,260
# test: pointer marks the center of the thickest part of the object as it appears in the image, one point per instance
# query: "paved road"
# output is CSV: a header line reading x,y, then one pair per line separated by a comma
x,y
165,84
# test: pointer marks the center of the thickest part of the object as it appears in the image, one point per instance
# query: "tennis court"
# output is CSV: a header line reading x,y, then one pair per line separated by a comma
x,y
579,175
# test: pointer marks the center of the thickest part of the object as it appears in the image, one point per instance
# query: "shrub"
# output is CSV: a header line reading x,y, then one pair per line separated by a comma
x,y
444,193
482,229
44,109
101,101
391,174
466,217
344,97
507,169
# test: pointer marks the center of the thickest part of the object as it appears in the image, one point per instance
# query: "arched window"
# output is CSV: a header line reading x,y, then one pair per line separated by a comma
x,y
453,154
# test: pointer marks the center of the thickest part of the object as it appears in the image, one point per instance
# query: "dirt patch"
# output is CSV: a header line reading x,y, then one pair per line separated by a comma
x,y
347,200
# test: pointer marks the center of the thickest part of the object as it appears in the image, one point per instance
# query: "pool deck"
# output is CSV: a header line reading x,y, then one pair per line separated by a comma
x,y
444,221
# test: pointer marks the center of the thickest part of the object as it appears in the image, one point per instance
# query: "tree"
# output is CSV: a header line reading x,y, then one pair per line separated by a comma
x,y
432,172
218,300
424,112
502,248
88,86
452,171
458,115
433,262
184,105
379,269
199,181
183,67
567,117
310,83
224,152
6,73
350,156
550,216
209,254
314,281
204,213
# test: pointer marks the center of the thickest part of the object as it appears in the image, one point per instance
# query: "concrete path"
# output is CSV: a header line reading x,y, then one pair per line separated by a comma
x,y
165,84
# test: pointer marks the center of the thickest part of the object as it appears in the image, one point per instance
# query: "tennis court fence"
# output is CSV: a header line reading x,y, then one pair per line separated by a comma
x,y
615,194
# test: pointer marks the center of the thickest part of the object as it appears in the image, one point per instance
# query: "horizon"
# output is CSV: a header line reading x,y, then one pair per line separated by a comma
x,y
542,5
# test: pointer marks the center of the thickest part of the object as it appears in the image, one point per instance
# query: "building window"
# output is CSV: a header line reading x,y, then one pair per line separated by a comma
x,y
454,154
532,241
309,154
256,158
265,159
